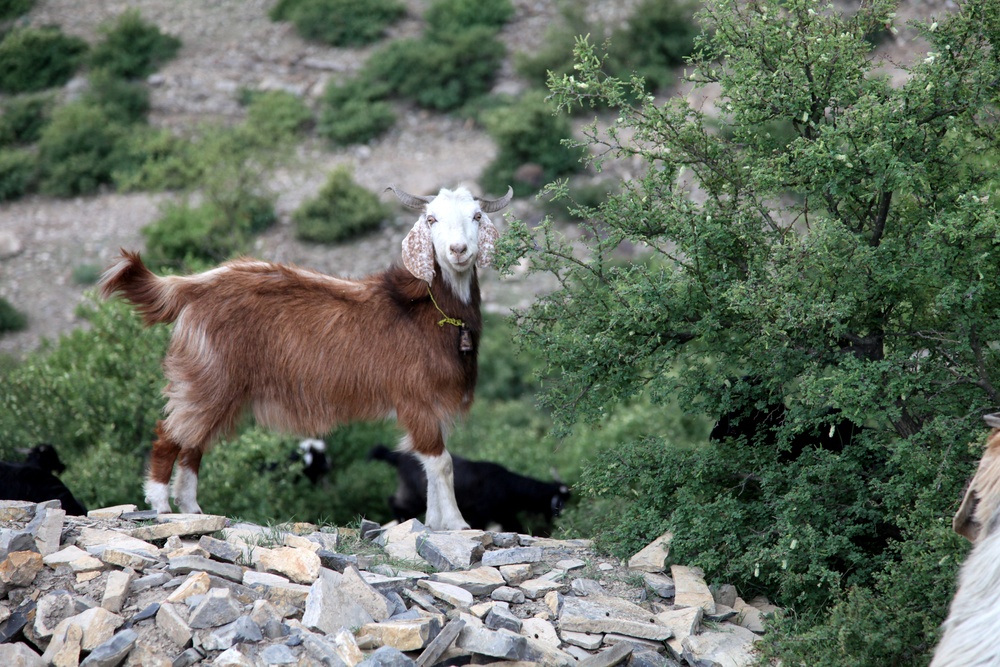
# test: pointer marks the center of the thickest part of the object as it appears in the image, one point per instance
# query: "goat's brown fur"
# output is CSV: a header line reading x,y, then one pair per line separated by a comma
x,y
302,351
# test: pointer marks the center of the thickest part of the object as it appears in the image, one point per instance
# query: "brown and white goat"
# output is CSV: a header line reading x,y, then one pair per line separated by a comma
x,y
972,630
303,351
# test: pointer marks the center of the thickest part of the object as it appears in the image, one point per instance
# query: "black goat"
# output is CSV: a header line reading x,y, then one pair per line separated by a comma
x,y
486,492
315,464
759,426
36,482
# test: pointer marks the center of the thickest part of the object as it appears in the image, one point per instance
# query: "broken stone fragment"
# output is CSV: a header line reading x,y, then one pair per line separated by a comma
x,y
299,565
512,556
480,581
538,588
448,551
328,607
404,635
652,557
730,645
453,595
691,589
608,614
19,569
217,608
179,524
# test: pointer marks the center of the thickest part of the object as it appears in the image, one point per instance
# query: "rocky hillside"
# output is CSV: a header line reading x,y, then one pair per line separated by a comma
x,y
229,45
129,587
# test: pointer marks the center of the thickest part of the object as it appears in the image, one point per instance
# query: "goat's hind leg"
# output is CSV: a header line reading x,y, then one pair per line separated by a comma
x,y
186,482
161,465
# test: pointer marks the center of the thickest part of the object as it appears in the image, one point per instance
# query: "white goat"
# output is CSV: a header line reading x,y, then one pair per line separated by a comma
x,y
972,630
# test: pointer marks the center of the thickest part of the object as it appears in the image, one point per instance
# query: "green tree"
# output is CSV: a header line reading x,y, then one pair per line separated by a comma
x,y
844,266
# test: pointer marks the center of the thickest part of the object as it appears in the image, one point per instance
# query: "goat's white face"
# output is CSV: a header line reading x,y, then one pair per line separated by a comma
x,y
454,218
455,230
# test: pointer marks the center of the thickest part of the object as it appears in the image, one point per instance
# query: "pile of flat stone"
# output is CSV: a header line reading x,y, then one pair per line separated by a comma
x,y
129,587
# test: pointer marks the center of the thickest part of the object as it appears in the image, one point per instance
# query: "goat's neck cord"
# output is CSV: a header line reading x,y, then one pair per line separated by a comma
x,y
447,320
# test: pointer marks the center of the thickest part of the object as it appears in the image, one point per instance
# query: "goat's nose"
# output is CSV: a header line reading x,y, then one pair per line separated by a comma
x,y
459,248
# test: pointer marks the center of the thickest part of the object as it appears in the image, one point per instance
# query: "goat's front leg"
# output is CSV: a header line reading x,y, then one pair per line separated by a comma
x,y
161,465
442,508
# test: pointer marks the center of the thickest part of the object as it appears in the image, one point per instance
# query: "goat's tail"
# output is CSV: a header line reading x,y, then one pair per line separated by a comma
x,y
383,453
154,296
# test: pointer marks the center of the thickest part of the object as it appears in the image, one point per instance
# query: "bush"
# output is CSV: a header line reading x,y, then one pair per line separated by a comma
x,y
156,159
342,210
17,173
185,236
528,132
340,22
33,59
78,150
132,48
658,37
278,113
11,319
440,73
23,118
451,17
11,9
812,265
122,101
352,114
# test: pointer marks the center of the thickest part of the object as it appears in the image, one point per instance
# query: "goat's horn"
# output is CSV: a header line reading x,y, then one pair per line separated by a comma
x,y
493,205
408,200
992,420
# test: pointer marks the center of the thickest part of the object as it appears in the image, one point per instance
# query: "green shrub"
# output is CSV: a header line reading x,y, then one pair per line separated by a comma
x,y
555,53
132,48
440,73
11,319
528,132
122,101
352,114
78,150
184,235
86,274
449,17
342,210
340,22
658,37
33,59
11,9
156,159
18,169
23,118
278,113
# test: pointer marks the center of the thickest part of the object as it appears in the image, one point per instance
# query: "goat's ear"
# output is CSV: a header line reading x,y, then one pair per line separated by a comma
x,y
964,522
488,236
418,251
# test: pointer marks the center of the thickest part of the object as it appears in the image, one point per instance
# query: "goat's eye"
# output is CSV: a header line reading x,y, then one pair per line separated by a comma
x,y
478,216
431,220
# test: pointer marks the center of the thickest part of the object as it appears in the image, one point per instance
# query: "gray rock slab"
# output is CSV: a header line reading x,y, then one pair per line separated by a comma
x,y
447,551
151,580
586,587
113,651
19,655
507,594
691,589
500,616
725,595
278,654
539,588
373,602
585,640
329,607
729,646
47,527
608,614
185,564
480,581
171,619
453,595
179,524
219,607
441,643
653,556
512,556
334,561
494,643
386,657
660,584
615,655
220,549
